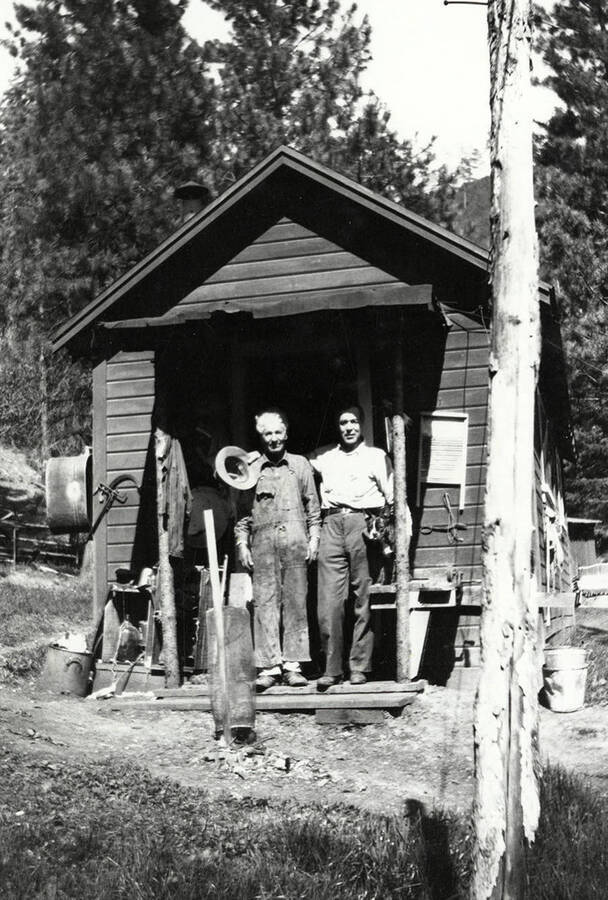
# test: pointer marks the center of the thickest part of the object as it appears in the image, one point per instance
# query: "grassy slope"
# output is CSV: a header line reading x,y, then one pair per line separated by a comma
x,y
35,608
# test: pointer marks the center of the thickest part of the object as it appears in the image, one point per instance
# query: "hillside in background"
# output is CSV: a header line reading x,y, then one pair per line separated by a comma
x,y
21,486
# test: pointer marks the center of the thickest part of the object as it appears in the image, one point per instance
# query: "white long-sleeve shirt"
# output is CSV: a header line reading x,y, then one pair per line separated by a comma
x,y
361,478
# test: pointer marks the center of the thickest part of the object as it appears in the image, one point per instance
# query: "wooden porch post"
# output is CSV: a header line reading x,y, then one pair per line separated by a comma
x,y
506,802
166,588
402,529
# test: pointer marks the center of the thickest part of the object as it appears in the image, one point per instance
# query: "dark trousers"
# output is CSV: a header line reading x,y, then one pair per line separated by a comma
x,y
343,565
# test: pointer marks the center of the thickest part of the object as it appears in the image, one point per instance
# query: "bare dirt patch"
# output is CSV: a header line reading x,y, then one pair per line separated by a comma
x,y
425,756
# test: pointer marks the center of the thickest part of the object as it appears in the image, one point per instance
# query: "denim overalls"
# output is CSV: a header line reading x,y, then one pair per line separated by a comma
x,y
279,543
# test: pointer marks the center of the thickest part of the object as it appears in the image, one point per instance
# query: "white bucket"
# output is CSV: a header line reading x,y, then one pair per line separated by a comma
x,y
565,678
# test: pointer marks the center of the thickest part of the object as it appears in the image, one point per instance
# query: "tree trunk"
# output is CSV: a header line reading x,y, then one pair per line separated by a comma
x,y
402,528
506,801
166,589
45,443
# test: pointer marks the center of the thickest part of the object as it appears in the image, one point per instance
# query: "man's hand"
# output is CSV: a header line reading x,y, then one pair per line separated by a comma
x,y
313,549
245,557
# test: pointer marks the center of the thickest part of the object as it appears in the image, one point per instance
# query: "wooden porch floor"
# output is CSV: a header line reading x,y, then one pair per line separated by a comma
x,y
375,695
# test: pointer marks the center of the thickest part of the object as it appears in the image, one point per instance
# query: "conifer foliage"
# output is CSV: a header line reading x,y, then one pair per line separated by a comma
x,y
114,105
110,109
572,214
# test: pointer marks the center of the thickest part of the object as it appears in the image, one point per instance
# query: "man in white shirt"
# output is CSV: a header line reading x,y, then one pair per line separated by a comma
x,y
355,480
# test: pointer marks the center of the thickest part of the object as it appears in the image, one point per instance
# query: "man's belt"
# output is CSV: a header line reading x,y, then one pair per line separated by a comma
x,y
345,510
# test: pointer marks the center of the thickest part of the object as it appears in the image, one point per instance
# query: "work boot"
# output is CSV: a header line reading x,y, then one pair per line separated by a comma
x,y
294,679
266,680
357,678
327,681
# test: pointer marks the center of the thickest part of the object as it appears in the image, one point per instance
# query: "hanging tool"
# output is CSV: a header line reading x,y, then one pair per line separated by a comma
x,y
452,525
109,495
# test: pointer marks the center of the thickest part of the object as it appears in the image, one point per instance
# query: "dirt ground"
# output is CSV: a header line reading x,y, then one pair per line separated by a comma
x,y
425,756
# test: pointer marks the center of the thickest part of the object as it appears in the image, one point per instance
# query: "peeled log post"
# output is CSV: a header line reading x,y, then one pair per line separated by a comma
x,y
166,588
506,801
402,528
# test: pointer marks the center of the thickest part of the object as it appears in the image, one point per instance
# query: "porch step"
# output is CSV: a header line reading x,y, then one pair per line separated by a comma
x,y
371,687
390,695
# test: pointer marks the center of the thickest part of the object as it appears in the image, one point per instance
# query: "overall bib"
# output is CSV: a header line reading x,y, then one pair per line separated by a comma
x,y
279,543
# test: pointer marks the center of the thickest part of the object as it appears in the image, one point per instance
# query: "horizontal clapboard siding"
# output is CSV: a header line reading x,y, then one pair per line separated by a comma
x,y
463,388
288,259
130,399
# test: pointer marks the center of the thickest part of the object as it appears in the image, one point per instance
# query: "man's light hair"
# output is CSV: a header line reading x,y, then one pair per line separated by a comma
x,y
268,419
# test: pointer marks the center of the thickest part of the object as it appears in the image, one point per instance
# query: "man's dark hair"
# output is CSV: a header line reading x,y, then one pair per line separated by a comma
x,y
353,408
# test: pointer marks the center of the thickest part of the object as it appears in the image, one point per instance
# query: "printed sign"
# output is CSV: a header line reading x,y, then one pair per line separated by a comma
x,y
443,450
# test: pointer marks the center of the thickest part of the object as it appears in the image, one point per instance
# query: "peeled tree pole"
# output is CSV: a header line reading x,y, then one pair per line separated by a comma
x,y
166,588
506,801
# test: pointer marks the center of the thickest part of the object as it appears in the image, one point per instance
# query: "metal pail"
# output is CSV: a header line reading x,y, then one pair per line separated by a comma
x,y
68,494
565,678
66,671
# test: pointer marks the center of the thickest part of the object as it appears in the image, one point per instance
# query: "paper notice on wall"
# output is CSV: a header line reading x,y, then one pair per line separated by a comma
x,y
443,450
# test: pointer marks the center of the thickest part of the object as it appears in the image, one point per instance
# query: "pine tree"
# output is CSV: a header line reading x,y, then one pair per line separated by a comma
x,y
291,74
110,109
572,190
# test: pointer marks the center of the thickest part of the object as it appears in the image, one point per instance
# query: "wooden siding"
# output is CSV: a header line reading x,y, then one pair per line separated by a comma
x,y
100,540
128,401
463,388
287,259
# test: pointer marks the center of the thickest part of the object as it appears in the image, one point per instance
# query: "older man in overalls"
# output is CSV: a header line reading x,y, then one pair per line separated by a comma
x,y
277,538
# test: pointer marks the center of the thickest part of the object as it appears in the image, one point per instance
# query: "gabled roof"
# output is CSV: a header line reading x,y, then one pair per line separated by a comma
x,y
285,183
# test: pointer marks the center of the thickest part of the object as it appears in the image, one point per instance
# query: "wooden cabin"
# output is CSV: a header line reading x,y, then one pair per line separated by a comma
x,y
289,289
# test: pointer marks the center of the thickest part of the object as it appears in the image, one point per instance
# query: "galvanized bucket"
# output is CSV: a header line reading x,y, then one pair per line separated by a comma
x,y
565,678
67,671
68,494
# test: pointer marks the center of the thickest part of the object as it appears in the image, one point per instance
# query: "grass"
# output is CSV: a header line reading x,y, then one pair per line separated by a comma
x,y
113,831
34,607
569,860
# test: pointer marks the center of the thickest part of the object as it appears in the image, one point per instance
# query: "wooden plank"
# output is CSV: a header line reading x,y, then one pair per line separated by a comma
x,y
100,586
118,553
123,515
297,246
126,356
284,231
462,398
470,339
131,406
337,260
471,516
121,534
136,473
342,297
371,687
286,284
458,378
119,443
133,387
132,369
461,358
433,497
125,461
130,424
349,716
265,703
